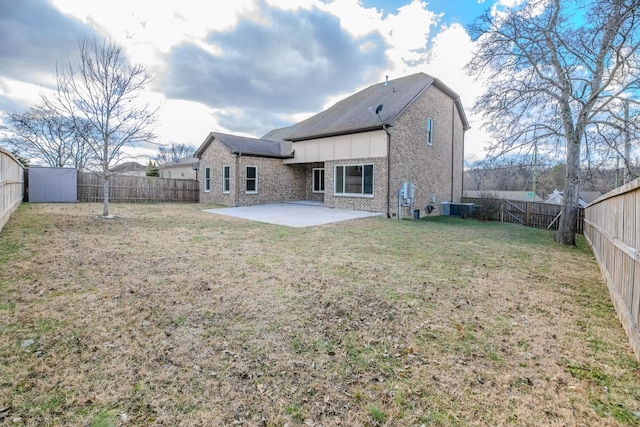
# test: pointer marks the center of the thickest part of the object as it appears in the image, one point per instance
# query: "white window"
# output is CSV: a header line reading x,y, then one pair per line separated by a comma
x,y
429,131
207,180
252,180
355,180
226,179
318,180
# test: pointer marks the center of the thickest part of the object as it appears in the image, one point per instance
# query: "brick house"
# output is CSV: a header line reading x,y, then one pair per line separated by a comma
x,y
357,154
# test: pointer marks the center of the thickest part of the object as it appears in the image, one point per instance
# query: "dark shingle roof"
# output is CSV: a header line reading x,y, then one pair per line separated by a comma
x,y
247,146
356,113
128,167
187,160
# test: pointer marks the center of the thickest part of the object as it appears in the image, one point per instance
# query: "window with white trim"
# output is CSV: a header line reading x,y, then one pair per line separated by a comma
x,y
429,131
207,180
226,179
318,180
252,179
354,180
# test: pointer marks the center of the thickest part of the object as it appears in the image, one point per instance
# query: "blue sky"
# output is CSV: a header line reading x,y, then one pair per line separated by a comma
x,y
458,11
247,66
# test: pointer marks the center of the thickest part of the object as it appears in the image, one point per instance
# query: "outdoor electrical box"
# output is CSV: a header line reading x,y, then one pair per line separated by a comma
x,y
407,191
405,198
404,190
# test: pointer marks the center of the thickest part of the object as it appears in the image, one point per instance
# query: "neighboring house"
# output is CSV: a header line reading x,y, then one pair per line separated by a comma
x,y
184,168
585,197
520,196
355,155
130,169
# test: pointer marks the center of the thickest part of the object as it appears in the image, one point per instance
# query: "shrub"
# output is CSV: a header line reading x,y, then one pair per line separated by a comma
x,y
487,207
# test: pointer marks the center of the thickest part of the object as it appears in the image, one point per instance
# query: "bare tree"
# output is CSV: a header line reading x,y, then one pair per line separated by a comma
x,y
556,72
101,94
173,151
44,135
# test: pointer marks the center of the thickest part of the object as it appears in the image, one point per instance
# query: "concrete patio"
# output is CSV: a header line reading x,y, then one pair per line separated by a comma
x,y
294,214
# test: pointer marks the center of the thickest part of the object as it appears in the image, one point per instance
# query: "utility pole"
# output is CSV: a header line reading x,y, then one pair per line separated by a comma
x,y
535,163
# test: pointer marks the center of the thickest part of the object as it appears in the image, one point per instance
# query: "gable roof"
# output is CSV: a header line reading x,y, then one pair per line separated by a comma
x,y
357,113
590,196
248,146
128,167
584,197
188,160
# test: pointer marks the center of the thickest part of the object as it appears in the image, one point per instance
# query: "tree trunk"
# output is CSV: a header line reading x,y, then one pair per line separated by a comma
x,y
105,204
570,201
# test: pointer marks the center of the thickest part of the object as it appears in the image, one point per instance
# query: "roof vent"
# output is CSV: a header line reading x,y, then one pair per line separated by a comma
x,y
386,82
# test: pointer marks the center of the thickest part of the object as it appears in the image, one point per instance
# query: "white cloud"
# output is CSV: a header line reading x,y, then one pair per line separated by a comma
x,y
501,6
185,122
372,44
21,92
148,28
354,18
451,51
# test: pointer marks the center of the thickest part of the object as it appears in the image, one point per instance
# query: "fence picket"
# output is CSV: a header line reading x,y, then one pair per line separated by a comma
x,y
532,214
612,230
137,189
11,185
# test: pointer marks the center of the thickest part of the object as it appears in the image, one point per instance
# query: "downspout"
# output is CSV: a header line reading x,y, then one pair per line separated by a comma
x,y
453,129
386,129
462,171
237,185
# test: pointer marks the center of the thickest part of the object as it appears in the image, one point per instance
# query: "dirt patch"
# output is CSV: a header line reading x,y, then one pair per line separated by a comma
x,y
167,315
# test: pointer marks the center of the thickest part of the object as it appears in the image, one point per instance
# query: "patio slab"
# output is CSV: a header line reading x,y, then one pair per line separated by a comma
x,y
293,214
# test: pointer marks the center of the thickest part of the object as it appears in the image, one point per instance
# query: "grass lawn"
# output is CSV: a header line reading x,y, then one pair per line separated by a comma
x,y
167,315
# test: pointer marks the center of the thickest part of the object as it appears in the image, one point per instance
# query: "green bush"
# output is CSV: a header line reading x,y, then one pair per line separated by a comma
x,y
487,208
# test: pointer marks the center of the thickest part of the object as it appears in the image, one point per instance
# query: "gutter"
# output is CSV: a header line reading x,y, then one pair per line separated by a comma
x,y
336,133
266,156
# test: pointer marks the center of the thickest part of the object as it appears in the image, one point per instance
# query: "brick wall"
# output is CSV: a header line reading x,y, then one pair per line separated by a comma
x,y
428,167
276,182
215,157
375,203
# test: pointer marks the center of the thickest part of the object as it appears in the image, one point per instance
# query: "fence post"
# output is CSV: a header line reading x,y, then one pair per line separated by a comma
x,y
139,189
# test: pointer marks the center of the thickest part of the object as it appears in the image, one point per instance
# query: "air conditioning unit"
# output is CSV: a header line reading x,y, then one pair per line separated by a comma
x,y
446,209
464,210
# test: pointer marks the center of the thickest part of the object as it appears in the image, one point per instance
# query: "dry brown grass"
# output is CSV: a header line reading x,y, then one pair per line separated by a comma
x,y
168,315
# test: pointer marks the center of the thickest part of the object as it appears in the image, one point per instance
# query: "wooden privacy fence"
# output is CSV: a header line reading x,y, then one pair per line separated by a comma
x,y
137,189
612,228
11,185
532,214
